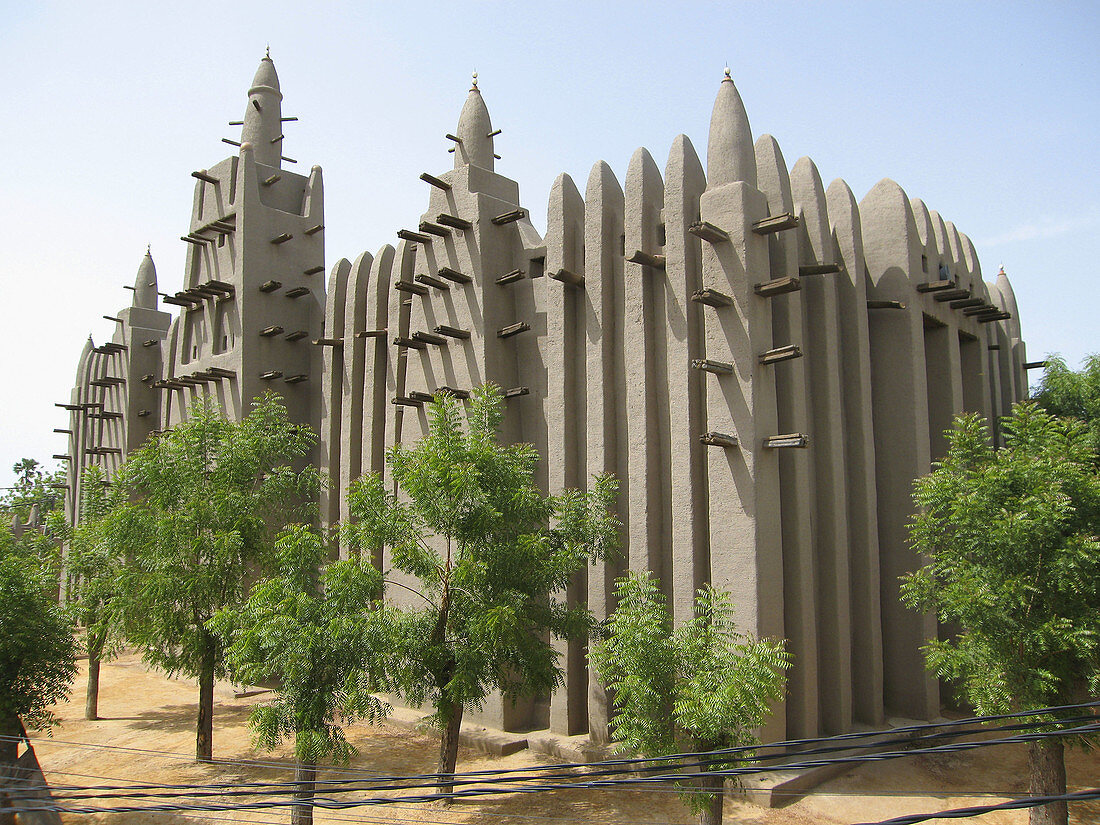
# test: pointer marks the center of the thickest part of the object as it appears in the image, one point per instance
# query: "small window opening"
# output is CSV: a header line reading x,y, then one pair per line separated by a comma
x,y
660,234
195,351
622,244
225,343
221,240
924,263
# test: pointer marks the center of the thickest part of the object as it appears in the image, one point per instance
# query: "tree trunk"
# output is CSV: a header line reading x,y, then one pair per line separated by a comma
x,y
1047,760
448,745
91,701
204,737
305,776
711,788
10,731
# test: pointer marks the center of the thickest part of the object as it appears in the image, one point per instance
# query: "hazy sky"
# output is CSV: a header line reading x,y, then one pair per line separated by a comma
x,y
989,112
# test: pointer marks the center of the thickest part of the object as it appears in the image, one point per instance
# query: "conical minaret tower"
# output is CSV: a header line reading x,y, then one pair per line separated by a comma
x,y
263,119
115,405
477,258
452,307
253,296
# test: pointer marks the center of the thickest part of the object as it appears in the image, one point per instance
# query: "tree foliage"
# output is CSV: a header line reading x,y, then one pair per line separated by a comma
x,y
1070,394
37,650
1013,560
36,491
208,497
700,687
94,568
33,485
491,556
308,629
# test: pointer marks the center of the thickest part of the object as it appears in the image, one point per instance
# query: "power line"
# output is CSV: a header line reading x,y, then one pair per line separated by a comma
x,y
940,730
977,810
147,790
325,802
703,759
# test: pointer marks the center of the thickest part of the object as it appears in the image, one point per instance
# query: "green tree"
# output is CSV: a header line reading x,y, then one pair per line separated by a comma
x,y
1010,536
207,498
36,495
1070,394
37,652
33,486
308,630
492,555
701,687
94,567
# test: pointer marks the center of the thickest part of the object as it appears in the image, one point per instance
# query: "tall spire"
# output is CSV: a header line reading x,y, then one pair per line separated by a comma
x,y
474,132
145,284
263,126
730,155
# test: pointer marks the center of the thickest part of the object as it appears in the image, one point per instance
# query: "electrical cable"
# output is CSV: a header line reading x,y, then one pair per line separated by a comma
x,y
147,790
325,802
977,810
658,762
787,744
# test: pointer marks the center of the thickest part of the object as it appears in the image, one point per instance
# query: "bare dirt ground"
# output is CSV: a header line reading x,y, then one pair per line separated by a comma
x,y
148,725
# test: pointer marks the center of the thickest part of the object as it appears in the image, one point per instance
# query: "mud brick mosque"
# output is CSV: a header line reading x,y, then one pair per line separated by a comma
x,y
764,362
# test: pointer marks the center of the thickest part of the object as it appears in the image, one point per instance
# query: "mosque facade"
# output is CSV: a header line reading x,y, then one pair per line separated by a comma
x,y
764,362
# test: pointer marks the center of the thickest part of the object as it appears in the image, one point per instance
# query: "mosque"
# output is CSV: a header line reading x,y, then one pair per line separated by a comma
x,y
764,362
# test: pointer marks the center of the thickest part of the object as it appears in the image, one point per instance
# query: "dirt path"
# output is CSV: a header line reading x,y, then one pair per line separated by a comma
x,y
148,726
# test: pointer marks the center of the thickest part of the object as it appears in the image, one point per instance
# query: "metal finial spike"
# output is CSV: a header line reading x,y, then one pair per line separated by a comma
x,y
727,71
267,51
148,249
475,80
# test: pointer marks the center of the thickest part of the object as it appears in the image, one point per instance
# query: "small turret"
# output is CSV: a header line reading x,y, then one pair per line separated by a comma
x,y
145,284
263,117
730,155
1005,287
475,132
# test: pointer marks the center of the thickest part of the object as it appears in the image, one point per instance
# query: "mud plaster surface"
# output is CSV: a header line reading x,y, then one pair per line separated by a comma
x,y
148,722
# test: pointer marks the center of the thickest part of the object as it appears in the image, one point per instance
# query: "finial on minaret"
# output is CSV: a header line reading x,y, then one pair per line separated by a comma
x,y
727,77
148,250
267,51
473,88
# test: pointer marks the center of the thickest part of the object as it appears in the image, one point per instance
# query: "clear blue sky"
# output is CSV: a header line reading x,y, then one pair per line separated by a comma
x,y
989,112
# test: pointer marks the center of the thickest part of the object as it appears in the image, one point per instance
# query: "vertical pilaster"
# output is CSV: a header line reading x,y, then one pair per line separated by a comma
x,y
685,183
902,450
859,446
351,405
603,245
643,345
796,467
564,348
823,360
332,394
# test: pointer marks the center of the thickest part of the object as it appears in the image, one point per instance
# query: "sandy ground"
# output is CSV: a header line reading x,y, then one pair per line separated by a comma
x,y
146,734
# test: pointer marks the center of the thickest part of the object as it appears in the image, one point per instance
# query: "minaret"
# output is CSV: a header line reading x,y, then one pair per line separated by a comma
x,y
145,284
263,126
252,294
730,155
743,485
475,132
464,282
